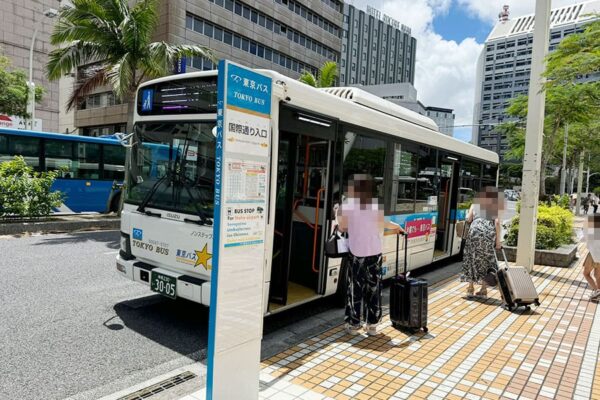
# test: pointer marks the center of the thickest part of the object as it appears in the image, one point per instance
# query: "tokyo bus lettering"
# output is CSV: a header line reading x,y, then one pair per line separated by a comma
x,y
142,245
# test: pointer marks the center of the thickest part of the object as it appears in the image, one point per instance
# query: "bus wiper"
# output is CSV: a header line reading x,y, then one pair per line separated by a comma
x,y
182,180
142,207
168,174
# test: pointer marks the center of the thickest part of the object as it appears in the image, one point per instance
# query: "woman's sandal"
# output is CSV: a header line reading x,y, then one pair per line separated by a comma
x,y
470,292
482,294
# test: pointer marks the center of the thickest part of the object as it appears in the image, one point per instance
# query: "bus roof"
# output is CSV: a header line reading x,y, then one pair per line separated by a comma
x,y
357,107
58,136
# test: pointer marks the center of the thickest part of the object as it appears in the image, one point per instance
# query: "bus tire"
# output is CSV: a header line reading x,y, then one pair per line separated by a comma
x,y
340,294
114,203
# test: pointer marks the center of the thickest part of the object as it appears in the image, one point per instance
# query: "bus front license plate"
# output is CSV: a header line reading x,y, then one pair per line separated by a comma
x,y
163,284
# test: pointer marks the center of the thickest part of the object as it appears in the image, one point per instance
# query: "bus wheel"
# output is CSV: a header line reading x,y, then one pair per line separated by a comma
x,y
114,203
340,294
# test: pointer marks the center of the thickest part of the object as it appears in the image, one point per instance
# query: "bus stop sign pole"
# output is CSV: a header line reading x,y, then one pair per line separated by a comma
x,y
243,141
534,137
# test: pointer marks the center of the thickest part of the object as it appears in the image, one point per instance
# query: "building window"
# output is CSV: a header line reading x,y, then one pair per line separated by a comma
x,y
249,46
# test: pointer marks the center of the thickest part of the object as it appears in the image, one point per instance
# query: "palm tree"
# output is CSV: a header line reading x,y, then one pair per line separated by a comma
x,y
325,77
115,41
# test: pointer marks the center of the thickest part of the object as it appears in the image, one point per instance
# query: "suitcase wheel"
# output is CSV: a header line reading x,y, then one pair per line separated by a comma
x,y
527,308
425,329
537,303
509,307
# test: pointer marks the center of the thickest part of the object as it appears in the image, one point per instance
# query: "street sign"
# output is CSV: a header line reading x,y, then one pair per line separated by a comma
x,y
241,175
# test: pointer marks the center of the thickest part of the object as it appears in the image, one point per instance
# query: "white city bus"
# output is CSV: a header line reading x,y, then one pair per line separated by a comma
x,y
320,137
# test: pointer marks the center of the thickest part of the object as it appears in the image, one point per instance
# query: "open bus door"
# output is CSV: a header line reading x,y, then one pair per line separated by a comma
x,y
447,200
303,200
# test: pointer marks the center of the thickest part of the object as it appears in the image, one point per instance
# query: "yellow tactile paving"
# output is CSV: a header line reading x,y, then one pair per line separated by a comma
x,y
474,349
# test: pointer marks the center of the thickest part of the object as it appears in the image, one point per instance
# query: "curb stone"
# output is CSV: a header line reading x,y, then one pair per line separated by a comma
x,y
64,225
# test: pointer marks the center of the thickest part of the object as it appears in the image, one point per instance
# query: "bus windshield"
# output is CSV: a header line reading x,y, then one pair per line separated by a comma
x,y
173,167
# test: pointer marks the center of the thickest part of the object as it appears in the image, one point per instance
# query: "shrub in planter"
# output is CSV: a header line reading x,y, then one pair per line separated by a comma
x,y
25,193
562,201
554,228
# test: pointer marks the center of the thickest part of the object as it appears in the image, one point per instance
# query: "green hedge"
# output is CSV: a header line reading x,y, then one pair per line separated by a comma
x,y
554,228
25,193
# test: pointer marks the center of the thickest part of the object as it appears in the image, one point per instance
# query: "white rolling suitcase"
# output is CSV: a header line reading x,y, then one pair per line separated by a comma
x,y
516,286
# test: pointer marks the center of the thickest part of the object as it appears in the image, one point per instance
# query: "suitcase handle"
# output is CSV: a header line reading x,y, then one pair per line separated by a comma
x,y
405,251
503,256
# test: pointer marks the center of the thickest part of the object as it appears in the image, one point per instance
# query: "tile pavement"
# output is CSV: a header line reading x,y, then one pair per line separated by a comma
x,y
474,350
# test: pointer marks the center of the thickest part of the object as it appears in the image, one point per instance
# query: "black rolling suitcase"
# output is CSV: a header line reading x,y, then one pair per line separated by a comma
x,y
408,297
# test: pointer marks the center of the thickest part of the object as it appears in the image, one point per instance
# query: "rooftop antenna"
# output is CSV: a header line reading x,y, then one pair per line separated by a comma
x,y
503,15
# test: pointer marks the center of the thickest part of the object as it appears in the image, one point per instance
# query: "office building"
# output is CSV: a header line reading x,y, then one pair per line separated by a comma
x,y
376,49
405,95
504,65
443,117
288,36
19,19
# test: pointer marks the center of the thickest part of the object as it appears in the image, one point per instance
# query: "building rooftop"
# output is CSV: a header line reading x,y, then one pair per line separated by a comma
x,y
574,13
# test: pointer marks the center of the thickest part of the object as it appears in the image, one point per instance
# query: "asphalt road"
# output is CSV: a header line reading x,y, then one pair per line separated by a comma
x,y
71,327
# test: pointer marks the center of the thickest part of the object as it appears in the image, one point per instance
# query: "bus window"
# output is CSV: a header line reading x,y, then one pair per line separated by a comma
x,y
366,156
174,167
3,146
470,175
404,183
113,159
88,155
427,182
59,156
27,147
489,172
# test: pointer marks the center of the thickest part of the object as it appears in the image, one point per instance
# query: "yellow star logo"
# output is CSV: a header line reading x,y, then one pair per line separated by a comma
x,y
202,257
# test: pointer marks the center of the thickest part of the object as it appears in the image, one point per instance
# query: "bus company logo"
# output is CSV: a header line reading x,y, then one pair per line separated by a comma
x,y
194,258
185,257
236,78
147,99
138,234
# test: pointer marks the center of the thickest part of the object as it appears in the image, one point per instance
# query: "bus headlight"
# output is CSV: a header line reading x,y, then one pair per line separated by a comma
x,y
125,250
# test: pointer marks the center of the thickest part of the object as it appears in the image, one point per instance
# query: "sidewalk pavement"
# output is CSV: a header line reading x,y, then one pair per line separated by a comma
x,y
474,349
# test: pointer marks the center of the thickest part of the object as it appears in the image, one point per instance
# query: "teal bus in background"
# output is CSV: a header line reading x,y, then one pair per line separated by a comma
x,y
91,168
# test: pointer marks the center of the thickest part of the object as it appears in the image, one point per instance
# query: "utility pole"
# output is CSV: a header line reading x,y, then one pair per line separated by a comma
x,y
579,184
533,138
563,172
587,181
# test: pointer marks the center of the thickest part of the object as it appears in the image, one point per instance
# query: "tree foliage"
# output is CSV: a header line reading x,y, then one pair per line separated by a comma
x,y
14,92
115,39
576,56
325,77
25,193
572,100
554,227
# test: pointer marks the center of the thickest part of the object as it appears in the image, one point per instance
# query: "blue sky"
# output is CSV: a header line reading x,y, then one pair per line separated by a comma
x,y
458,24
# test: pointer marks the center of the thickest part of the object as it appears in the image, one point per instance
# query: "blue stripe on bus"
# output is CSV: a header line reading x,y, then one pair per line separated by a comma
x,y
212,313
84,195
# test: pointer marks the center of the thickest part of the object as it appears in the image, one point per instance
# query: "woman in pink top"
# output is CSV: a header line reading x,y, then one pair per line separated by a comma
x,y
363,219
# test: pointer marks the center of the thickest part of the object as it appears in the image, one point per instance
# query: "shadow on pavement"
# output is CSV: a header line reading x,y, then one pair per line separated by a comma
x,y
179,325
110,238
557,278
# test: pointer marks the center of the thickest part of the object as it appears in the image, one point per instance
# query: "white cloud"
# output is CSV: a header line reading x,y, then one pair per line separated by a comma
x,y
446,69
445,74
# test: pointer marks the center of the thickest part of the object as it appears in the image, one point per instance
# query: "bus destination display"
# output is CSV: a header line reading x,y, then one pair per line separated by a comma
x,y
184,96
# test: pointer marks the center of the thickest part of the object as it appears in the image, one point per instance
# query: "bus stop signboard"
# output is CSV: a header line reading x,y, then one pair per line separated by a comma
x,y
241,176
